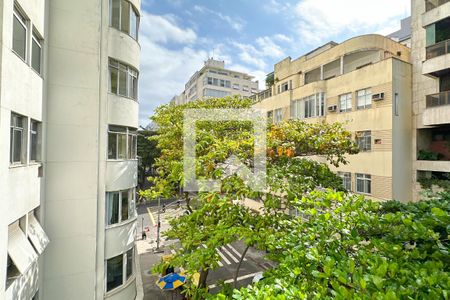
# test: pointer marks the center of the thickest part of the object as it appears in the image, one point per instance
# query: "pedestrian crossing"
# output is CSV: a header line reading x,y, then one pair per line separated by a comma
x,y
228,254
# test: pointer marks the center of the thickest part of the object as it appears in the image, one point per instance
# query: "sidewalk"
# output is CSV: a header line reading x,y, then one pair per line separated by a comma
x,y
145,249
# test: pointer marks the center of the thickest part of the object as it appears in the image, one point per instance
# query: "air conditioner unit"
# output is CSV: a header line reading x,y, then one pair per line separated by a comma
x,y
332,108
378,97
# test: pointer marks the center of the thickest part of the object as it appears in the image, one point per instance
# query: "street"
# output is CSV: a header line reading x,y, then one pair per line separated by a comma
x,y
229,254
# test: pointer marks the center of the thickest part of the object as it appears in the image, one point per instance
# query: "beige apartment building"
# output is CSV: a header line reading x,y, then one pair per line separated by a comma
x,y
213,80
431,90
365,83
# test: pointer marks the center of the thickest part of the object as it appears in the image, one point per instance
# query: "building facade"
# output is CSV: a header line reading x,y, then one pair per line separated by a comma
x,y
365,83
68,121
213,80
22,240
431,91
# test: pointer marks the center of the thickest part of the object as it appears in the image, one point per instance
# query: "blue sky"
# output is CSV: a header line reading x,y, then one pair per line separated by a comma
x,y
176,36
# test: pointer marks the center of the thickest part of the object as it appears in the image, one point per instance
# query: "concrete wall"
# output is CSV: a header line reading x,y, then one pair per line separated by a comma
x,y
402,131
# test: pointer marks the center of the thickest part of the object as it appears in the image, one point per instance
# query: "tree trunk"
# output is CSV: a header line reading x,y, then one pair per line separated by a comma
x,y
203,276
188,201
239,265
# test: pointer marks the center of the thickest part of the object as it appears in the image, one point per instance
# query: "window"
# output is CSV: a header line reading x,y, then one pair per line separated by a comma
x,y
124,205
215,93
35,141
364,140
18,139
309,107
270,116
130,262
363,183
19,44
245,88
218,82
122,142
285,87
12,273
120,206
36,53
122,79
114,272
278,115
235,86
346,180
119,269
364,99
345,102
124,16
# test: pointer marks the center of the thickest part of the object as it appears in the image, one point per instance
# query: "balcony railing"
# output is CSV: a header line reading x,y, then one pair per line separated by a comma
x,y
431,4
262,95
438,49
438,99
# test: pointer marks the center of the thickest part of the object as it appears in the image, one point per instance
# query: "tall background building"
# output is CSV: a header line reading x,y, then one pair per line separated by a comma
x,y
213,80
431,90
364,83
68,122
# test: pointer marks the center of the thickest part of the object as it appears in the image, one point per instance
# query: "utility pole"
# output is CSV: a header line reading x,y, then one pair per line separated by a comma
x,y
159,224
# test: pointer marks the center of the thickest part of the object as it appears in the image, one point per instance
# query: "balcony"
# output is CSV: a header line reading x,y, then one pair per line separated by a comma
x,y
437,110
262,95
432,4
438,49
438,99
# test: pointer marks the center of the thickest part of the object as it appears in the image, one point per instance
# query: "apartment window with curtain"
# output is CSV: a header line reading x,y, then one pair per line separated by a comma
x,y
345,102
364,140
20,33
122,143
364,99
119,269
123,79
124,17
363,183
309,107
36,52
35,141
18,139
120,206
346,180
278,115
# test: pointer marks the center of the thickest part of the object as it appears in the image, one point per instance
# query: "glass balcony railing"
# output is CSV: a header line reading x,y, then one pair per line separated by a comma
x,y
431,4
438,49
438,99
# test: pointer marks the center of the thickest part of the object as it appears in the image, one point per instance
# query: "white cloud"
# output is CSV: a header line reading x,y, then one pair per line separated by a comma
x,y
319,20
275,6
235,23
164,71
164,29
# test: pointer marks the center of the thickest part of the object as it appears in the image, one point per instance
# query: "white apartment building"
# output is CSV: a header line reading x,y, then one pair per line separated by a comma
x,y
68,123
431,90
22,239
213,80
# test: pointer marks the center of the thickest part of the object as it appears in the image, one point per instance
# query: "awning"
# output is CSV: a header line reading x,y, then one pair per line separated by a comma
x,y
36,234
19,249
